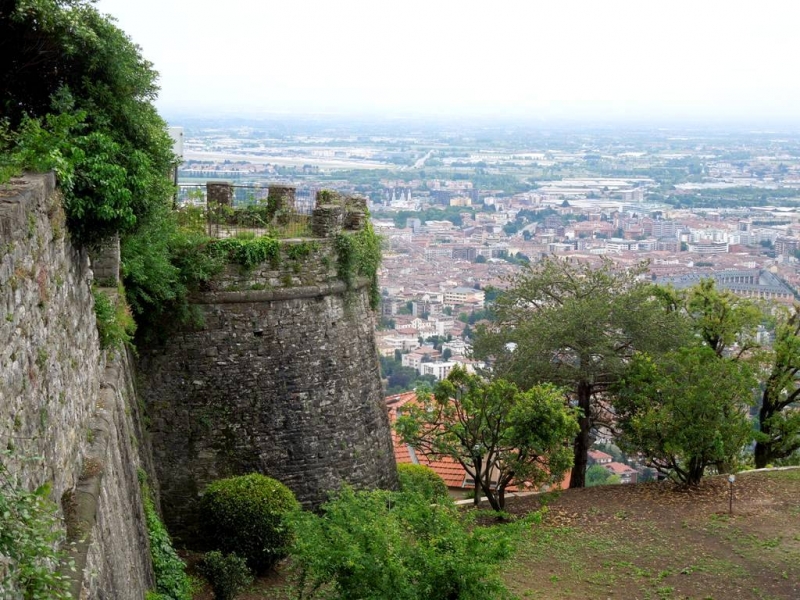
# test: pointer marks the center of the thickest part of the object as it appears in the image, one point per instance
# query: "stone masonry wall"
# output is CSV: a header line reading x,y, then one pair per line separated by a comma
x,y
281,379
61,398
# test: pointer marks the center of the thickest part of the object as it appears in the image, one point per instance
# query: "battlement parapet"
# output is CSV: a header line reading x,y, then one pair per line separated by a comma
x,y
278,209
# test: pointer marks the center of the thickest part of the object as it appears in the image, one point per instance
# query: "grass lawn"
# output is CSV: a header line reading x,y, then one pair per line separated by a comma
x,y
656,541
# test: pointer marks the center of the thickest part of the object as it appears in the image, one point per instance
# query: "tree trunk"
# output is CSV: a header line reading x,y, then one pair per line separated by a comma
x,y
582,441
763,451
476,499
695,471
762,455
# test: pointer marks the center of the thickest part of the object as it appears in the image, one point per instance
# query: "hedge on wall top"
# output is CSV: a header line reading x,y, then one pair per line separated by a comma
x,y
245,515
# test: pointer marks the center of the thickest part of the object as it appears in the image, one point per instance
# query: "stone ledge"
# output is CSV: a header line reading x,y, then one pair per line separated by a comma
x,y
81,505
26,193
295,293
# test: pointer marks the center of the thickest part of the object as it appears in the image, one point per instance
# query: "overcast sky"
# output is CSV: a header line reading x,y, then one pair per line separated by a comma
x,y
553,59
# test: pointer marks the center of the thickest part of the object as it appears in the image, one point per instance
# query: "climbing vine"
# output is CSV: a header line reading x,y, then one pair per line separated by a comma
x,y
359,254
172,582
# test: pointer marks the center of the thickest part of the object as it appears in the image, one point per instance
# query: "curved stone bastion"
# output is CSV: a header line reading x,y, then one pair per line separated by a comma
x,y
281,378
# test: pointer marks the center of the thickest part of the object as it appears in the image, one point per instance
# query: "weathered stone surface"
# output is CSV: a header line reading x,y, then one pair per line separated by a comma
x,y
105,261
50,391
283,197
219,193
327,220
283,381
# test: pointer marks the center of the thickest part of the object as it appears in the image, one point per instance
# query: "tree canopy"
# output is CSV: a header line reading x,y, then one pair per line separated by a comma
x,y
496,432
686,411
779,414
577,326
76,96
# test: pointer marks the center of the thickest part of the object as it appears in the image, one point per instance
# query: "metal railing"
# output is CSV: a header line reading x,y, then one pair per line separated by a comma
x,y
251,210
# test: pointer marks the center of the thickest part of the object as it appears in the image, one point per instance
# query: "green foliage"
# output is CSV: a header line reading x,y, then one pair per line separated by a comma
x,y
685,412
779,417
300,250
253,215
359,254
172,583
496,432
78,99
30,535
402,379
162,262
721,318
419,479
576,326
115,324
246,515
248,253
597,475
381,545
228,574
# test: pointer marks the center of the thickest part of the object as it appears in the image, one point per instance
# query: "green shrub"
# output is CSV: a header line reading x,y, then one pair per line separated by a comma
x,y
172,583
162,262
386,546
115,324
419,479
29,538
246,515
94,123
248,253
228,574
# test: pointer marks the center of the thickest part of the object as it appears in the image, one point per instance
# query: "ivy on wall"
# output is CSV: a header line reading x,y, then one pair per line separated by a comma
x,y
359,255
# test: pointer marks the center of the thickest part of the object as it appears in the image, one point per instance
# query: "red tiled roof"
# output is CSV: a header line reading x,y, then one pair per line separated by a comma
x,y
619,468
598,455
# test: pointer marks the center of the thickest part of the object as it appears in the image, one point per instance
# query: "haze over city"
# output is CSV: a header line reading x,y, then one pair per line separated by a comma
x,y
707,62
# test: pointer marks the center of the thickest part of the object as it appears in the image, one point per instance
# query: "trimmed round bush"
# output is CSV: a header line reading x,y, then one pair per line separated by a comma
x,y
245,515
419,479
228,574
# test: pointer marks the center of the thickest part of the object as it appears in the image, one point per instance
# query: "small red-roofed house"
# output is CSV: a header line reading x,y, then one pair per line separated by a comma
x,y
626,474
596,457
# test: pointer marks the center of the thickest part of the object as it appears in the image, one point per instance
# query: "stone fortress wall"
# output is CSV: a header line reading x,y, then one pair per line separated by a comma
x,y
282,378
64,400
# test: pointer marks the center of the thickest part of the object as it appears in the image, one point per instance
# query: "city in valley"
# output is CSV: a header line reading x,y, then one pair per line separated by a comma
x,y
462,206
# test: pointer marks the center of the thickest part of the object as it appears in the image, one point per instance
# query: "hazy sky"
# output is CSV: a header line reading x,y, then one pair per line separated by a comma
x,y
556,58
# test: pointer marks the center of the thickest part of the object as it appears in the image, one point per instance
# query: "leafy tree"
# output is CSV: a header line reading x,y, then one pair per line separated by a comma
x,y
381,545
496,432
77,96
685,412
722,319
598,475
577,327
779,415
